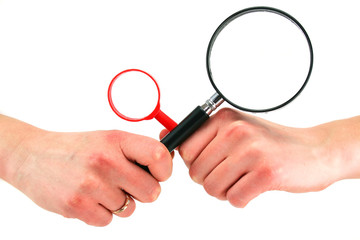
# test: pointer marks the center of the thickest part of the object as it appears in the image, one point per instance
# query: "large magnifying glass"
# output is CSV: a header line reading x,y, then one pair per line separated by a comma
x,y
259,59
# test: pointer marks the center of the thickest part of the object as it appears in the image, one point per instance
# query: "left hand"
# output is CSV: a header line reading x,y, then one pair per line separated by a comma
x,y
237,156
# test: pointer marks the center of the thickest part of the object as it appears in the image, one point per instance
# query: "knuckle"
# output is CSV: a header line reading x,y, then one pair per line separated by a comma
x,y
98,161
238,130
225,113
73,204
268,174
254,151
112,136
89,184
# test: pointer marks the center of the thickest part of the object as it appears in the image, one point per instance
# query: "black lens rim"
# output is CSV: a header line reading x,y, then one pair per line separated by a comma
x,y
235,16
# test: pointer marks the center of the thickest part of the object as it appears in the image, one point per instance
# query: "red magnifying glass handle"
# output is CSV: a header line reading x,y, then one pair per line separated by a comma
x,y
165,120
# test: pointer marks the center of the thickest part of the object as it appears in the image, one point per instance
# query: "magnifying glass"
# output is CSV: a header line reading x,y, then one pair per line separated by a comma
x,y
138,98
258,60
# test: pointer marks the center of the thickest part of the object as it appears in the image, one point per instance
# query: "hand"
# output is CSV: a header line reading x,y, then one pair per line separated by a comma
x,y
236,156
85,175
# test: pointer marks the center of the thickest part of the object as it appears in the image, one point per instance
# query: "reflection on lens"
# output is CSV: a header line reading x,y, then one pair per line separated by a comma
x,y
260,60
134,94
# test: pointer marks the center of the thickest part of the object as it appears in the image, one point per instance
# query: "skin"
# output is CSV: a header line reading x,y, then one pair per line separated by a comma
x,y
82,175
236,156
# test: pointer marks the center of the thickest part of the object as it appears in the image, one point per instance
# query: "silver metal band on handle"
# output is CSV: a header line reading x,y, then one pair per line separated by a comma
x,y
212,103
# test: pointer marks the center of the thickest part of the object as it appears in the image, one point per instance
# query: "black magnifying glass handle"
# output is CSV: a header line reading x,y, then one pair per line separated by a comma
x,y
187,127
191,123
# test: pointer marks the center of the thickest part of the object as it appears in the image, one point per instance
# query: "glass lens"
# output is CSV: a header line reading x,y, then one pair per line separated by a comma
x,y
260,60
134,94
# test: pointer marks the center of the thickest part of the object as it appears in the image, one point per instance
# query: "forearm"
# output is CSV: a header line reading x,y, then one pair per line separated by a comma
x,y
12,134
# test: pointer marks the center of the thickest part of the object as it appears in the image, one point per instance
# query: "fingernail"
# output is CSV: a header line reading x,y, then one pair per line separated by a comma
x,y
196,180
156,194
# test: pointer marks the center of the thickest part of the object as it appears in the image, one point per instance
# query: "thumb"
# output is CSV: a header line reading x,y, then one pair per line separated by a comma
x,y
148,152
162,134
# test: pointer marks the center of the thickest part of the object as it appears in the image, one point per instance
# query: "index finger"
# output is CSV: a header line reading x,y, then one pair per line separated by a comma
x,y
196,143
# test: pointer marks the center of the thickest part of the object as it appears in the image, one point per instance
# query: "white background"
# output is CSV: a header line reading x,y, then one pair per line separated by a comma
x,y
58,57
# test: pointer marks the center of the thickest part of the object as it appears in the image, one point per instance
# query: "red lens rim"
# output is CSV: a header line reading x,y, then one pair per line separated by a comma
x,y
151,115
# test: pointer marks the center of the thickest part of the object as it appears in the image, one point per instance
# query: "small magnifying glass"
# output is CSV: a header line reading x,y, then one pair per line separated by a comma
x,y
258,60
124,92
